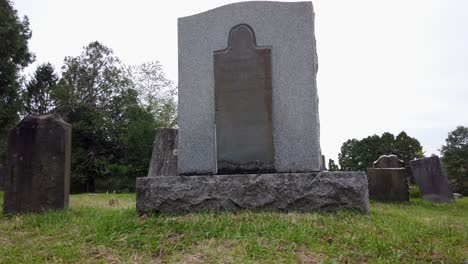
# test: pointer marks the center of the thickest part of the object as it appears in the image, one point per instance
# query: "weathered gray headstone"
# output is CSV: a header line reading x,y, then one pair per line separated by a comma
x,y
388,161
244,135
2,177
431,179
323,165
388,184
288,30
38,165
305,192
164,158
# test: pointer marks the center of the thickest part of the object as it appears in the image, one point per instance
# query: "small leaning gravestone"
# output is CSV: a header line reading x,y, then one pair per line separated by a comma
x,y
432,180
38,165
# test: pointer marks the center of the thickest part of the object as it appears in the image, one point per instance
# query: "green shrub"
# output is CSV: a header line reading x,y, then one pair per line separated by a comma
x,y
414,191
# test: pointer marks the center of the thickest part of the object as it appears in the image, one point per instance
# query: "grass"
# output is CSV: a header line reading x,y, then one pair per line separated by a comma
x,y
105,228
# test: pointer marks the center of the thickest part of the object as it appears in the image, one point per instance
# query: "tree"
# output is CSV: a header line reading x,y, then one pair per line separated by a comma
x,y
39,90
455,159
90,79
114,112
14,56
361,154
156,92
332,166
84,96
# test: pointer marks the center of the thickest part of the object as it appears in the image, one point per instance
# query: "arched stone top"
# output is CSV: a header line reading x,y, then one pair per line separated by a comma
x,y
242,36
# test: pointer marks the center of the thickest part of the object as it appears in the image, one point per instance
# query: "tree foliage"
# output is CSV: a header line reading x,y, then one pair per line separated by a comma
x,y
155,91
40,89
114,111
455,159
360,154
91,79
332,166
14,56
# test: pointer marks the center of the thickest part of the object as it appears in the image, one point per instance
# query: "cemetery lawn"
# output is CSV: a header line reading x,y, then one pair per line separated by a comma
x,y
105,228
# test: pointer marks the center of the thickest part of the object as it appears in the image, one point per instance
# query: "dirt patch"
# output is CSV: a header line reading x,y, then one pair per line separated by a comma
x,y
207,250
309,257
100,253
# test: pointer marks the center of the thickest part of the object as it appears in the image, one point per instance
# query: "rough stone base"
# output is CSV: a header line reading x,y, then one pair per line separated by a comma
x,y
304,192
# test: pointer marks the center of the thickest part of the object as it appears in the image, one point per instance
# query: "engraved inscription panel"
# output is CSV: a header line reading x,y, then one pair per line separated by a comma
x,y
243,99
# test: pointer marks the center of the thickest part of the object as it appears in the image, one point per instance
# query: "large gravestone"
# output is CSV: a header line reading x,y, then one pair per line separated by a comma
x,y
287,30
248,118
431,179
244,135
164,157
38,165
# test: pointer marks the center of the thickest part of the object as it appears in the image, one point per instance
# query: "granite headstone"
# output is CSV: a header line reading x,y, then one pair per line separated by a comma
x,y
432,180
283,47
248,107
164,157
38,165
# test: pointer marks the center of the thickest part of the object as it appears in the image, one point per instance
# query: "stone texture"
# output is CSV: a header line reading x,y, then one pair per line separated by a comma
x,y
388,161
323,165
431,179
304,192
2,177
288,28
244,135
164,157
38,165
388,185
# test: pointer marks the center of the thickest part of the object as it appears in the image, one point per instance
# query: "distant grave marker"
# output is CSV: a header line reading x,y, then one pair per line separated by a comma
x,y
432,180
164,157
388,161
387,180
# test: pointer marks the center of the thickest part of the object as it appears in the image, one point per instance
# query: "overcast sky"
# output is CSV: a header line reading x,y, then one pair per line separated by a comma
x,y
384,65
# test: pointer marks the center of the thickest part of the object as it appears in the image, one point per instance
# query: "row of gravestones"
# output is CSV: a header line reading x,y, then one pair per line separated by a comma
x,y
37,174
389,182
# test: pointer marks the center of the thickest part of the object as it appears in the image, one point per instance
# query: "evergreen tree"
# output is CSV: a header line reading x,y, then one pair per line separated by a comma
x,y
14,56
40,89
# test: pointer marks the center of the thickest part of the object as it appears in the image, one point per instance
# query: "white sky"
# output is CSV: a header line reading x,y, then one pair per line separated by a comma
x,y
384,65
